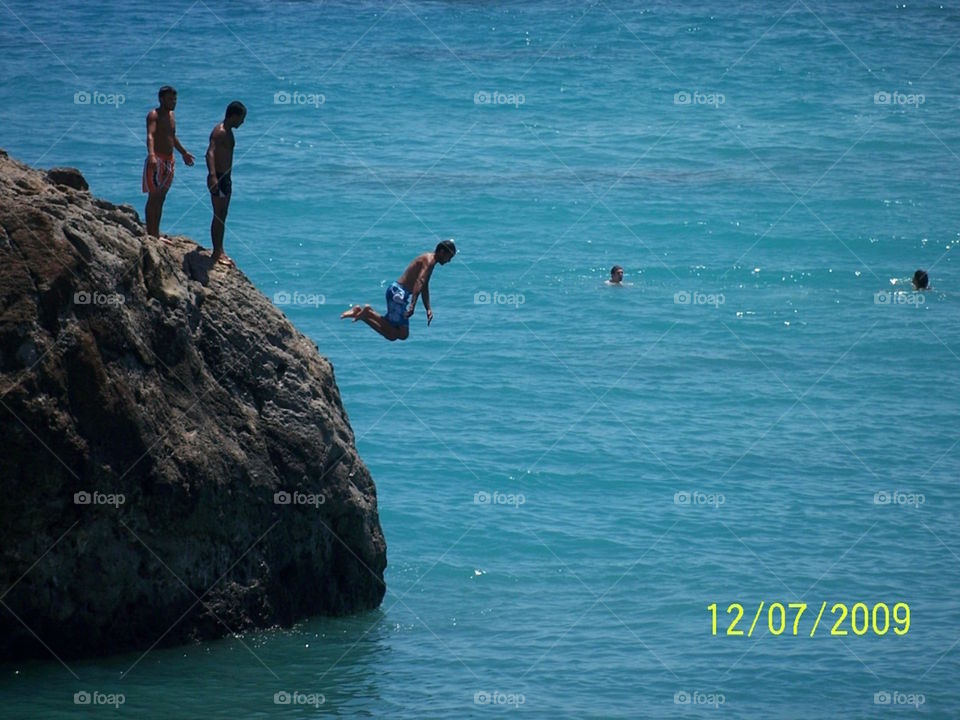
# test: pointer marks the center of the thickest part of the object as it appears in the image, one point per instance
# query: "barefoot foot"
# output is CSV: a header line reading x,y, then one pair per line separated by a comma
x,y
351,313
364,312
218,258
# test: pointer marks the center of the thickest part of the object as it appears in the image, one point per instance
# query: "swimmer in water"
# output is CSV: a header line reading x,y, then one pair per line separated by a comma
x,y
616,275
921,281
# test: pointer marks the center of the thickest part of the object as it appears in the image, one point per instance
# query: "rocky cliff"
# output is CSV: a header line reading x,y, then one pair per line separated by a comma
x,y
176,461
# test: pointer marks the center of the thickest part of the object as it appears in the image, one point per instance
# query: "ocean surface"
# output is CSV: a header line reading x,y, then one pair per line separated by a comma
x,y
569,473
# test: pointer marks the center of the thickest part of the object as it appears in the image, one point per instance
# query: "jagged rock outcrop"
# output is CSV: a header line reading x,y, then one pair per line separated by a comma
x,y
151,410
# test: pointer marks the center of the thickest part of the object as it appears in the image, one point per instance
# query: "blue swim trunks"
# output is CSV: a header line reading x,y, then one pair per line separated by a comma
x,y
397,298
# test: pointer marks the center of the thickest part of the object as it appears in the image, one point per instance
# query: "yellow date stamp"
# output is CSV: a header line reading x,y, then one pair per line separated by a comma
x,y
779,618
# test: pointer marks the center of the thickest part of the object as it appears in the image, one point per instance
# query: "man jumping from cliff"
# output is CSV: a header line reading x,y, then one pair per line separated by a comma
x,y
395,325
159,166
219,167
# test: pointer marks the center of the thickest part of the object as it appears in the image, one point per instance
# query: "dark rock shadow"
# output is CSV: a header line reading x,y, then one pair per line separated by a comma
x,y
71,177
197,265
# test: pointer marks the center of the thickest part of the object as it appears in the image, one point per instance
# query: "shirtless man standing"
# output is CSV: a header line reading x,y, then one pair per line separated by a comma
x,y
159,166
219,167
395,325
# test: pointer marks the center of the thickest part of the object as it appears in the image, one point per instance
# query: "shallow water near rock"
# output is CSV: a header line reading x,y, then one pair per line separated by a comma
x,y
569,473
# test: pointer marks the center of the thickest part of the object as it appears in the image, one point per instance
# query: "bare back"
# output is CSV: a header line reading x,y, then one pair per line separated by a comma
x,y
418,271
222,143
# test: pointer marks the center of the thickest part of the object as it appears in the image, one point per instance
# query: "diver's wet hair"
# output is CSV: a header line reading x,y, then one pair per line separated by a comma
x,y
921,280
448,246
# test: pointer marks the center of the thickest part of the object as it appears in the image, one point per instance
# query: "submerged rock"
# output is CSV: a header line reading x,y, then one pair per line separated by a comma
x,y
176,461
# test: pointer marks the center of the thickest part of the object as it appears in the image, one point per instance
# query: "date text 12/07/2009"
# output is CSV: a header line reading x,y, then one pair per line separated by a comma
x,y
785,619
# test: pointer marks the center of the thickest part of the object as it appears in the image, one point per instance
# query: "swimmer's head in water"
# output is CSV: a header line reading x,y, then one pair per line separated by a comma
x,y
921,280
616,273
445,251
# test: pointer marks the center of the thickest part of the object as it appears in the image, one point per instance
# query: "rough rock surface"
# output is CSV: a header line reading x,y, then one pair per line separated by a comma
x,y
131,370
70,177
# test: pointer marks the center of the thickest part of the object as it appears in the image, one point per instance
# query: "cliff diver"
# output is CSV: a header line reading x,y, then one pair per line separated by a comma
x,y
395,325
219,170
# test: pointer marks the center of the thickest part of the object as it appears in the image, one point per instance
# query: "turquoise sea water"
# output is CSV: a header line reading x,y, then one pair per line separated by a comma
x,y
570,473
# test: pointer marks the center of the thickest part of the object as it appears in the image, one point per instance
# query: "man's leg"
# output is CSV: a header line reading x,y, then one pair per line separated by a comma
x,y
153,210
380,324
161,197
218,225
